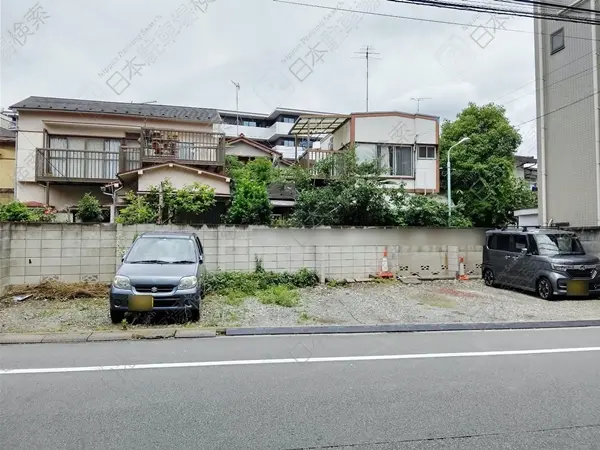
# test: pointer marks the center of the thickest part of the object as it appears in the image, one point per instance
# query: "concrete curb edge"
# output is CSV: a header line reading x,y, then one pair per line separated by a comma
x,y
104,336
409,328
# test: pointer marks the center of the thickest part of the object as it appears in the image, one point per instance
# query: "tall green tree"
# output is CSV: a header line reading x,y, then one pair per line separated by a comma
x,y
484,183
250,202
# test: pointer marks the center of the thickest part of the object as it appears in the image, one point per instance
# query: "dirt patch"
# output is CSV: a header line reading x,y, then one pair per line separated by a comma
x,y
52,290
84,307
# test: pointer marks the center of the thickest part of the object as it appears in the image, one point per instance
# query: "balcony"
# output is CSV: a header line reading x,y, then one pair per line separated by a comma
x,y
203,149
156,147
312,157
80,166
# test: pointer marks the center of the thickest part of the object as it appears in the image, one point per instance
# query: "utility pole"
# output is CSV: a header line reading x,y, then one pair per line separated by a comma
x,y
367,53
237,107
419,100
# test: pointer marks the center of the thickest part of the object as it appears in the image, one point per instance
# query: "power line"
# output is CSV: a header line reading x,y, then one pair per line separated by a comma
x,y
498,11
556,110
536,79
417,19
548,5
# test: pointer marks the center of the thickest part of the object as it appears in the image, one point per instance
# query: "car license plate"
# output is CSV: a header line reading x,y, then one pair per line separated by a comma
x,y
578,287
141,303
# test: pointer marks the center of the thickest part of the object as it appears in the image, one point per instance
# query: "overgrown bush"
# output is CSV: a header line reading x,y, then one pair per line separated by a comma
x,y
248,283
89,209
16,211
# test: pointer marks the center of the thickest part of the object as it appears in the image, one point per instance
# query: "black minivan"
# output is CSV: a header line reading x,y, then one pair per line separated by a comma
x,y
551,262
162,271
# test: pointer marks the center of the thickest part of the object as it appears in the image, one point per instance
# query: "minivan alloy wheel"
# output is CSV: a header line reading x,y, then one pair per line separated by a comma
x,y
544,288
488,277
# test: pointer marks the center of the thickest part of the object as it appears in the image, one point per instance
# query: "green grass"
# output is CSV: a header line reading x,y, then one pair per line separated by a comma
x,y
279,295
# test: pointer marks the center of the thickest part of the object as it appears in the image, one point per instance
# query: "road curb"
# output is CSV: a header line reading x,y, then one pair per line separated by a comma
x,y
104,336
408,328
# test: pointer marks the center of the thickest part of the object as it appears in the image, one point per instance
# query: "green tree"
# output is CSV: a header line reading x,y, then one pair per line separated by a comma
x,y
250,202
191,199
137,211
89,209
17,211
427,211
483,177
352,194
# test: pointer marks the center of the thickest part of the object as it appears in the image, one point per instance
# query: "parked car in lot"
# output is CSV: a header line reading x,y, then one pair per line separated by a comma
x,y
160,272
551,262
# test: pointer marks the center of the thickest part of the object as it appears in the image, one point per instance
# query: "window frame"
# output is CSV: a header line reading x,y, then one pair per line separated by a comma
x,y
427,147
513,243
559,32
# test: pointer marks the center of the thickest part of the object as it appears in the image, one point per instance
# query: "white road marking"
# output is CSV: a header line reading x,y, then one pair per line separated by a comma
x,y
328,359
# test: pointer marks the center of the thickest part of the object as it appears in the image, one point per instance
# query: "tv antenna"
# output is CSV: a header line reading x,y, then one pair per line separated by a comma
x,y
367,53
237,107
419,100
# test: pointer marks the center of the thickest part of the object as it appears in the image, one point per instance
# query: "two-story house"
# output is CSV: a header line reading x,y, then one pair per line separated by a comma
x,y
405,145
68,147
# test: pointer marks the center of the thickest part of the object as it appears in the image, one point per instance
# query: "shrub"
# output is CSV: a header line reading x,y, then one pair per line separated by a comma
x,y
89,209
16,211
248,283
279,295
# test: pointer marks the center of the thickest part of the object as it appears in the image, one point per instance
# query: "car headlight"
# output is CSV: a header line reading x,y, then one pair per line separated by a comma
x,y
188,283
121,282
561,267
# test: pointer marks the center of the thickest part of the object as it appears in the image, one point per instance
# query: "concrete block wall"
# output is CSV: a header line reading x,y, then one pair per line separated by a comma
x,y
4,257
332,252
69,252
62,252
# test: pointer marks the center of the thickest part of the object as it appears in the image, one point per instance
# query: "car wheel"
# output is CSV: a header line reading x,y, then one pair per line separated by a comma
x,y
116,316
194,315
544,289
488,278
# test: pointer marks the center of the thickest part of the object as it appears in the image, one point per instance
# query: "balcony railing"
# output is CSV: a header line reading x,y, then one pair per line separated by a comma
x,y
76,165
312,157
199,148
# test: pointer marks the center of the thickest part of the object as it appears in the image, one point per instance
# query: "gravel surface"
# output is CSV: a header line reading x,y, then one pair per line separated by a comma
x,y
358,303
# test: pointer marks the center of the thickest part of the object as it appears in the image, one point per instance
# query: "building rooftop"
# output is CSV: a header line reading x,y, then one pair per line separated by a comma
x,y
121,108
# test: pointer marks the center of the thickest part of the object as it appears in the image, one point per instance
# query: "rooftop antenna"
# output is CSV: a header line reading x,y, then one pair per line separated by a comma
x,y
419,100
146,103
368,53
237,107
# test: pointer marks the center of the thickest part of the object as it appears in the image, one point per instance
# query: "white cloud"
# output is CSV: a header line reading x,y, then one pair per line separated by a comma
x,y
245,40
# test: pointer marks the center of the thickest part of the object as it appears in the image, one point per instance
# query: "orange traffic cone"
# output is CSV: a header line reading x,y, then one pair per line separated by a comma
x,y
385,272
461,270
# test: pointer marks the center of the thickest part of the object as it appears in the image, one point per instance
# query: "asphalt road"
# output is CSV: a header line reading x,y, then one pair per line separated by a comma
x,y
456,390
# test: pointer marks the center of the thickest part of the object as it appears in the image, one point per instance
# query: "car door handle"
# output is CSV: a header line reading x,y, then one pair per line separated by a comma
x,y
510,257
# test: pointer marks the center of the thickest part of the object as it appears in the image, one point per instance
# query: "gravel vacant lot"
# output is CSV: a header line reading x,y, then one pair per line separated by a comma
x,y
359,303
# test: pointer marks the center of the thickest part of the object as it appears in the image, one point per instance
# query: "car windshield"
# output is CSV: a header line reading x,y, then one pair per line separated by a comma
x,y
162,250
558,244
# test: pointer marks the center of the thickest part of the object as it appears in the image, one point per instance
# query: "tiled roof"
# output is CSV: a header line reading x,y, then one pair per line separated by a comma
x,y
129,109
7,134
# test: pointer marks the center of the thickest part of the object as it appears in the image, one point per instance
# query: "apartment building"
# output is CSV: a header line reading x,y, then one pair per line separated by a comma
x,y
405,145
568,119
270,130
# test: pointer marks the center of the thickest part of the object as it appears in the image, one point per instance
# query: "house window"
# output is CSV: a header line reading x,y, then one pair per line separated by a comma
x,y
288,142
396,160
427,152
249,123
557,41
87,158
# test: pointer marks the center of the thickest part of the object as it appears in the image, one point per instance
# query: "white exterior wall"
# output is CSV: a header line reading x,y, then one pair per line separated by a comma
x,y
180,178
30,135
245,151
394,129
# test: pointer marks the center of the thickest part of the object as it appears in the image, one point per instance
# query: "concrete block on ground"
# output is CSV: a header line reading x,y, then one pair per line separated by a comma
x,y
16,338
66,337
154,334
194,333
109,336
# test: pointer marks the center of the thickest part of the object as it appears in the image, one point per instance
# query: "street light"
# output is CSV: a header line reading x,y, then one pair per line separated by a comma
x,y
465,139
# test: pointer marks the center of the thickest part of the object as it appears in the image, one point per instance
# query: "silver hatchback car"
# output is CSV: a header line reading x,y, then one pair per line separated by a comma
x,y
551,262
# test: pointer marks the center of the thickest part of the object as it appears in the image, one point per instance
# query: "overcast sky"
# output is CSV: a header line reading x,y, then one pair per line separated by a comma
x,y
81,49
